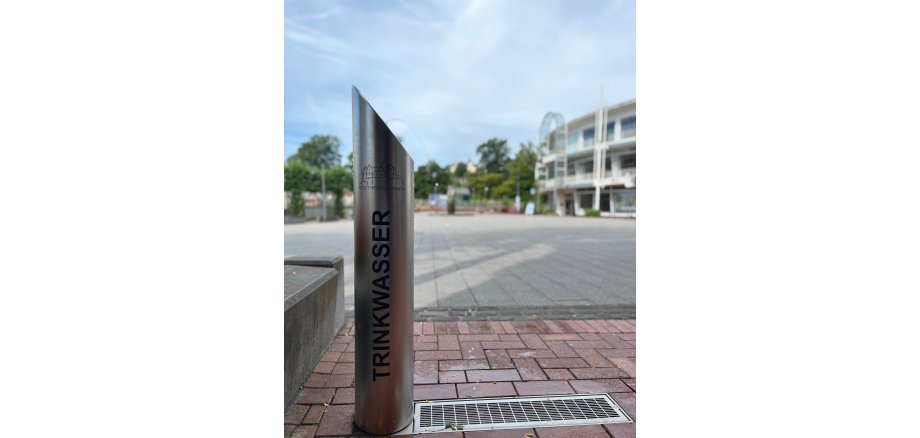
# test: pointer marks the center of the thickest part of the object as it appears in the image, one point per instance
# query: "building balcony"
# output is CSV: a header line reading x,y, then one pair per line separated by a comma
x,y
614,144
619,177
628,177
577,149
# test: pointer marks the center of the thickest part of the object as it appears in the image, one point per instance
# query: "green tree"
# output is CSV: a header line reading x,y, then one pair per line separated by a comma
x,y
493,156
350,165
319,151
300,177
521,169
296,181
338,179
460,171
428,174
491,180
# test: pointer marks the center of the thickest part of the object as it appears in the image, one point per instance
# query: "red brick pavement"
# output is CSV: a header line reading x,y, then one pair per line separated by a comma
x,y
485,359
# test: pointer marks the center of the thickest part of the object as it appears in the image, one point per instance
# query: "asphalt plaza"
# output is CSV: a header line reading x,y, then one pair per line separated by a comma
x,y
499,261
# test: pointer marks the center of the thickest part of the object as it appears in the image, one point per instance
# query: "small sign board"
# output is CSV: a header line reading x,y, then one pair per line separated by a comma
x,y
528,210
438,200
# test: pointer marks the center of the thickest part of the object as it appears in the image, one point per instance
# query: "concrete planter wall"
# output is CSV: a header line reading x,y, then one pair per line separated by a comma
x,y
313,314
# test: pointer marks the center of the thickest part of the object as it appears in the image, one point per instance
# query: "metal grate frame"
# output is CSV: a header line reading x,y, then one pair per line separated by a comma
x,y
517,412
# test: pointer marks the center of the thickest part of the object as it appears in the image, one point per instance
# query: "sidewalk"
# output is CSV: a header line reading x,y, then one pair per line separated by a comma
x,y
485,359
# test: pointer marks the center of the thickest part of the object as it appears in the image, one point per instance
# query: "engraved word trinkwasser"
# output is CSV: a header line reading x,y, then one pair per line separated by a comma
x,y
380,232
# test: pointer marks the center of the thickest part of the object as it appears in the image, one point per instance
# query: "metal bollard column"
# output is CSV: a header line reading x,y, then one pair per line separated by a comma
x,y
384,258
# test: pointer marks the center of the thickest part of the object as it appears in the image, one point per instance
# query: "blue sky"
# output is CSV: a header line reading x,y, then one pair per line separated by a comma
x,y
449,75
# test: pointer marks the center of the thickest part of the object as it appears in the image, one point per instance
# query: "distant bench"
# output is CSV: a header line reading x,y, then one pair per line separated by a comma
x,y
314,312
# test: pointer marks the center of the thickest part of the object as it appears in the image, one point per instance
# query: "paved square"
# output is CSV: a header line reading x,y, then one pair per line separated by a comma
x,y
499,261
604,361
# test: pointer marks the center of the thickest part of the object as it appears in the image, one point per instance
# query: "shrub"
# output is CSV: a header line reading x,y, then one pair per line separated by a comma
x,y
338,207
296,204
592,213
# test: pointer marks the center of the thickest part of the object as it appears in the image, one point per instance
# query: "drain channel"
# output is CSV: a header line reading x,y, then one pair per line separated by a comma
x,y
517,412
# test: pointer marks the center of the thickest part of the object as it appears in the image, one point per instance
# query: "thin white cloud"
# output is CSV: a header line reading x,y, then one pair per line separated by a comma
x,y
458,73
318,15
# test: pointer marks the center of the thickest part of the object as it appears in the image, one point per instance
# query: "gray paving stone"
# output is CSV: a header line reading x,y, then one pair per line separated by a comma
x,y
457,299
536,262
492,297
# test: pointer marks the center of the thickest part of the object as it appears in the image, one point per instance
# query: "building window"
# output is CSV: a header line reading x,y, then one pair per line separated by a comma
x,y
624,202
588,136
573,139
608,163
610,126
570,170
605,202
586,168
628,127
628,161
586,200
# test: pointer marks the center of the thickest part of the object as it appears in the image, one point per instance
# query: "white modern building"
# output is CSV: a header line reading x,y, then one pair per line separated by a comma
x,y
590,161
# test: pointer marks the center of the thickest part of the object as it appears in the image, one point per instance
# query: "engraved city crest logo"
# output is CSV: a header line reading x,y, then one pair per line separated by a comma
x,y
383,177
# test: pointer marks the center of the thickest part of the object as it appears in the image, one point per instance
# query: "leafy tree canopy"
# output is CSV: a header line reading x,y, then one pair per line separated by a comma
x,y
517,170
428,174
319,151
521,168
299,177
493,156
460,171
491,180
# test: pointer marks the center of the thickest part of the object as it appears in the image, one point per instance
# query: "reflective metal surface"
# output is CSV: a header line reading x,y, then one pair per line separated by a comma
x,y
384,246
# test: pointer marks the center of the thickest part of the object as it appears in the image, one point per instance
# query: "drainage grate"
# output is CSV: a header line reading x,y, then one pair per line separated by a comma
x,y
509,413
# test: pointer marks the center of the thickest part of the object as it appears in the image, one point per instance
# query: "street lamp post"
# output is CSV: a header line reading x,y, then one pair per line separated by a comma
x,y
473,197
322,177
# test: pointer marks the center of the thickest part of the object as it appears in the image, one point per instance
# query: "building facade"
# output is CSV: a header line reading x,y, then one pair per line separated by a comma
x,y
470,167
590,162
